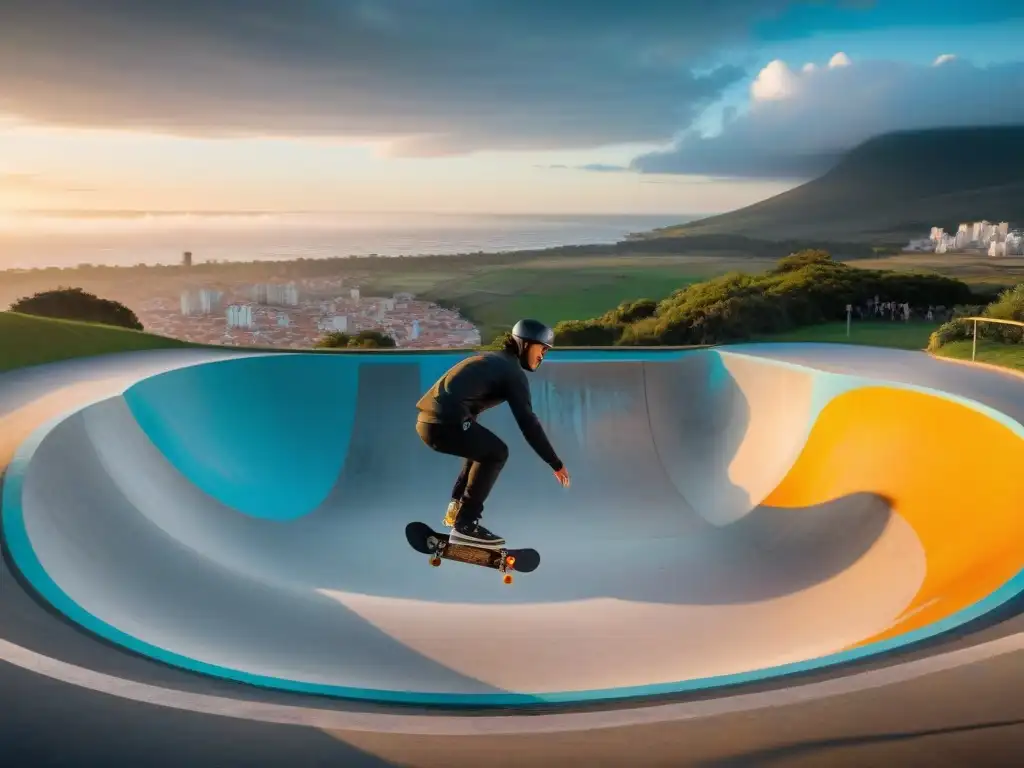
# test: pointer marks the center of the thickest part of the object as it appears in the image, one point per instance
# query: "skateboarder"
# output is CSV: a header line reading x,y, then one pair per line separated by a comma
x,y
447,423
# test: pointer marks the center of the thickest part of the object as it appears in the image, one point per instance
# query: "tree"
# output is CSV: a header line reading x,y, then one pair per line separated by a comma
x,y
76,304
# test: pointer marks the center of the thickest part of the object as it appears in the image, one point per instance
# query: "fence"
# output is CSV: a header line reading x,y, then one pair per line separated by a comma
x,y
974,342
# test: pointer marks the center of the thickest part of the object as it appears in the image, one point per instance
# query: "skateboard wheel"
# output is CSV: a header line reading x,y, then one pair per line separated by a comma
x,y
435,561
511,560
508,578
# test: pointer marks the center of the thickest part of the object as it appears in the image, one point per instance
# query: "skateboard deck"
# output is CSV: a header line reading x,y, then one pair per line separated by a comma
x,y
427,541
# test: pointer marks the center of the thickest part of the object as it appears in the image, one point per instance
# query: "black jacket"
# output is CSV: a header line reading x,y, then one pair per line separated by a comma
x,y
481,382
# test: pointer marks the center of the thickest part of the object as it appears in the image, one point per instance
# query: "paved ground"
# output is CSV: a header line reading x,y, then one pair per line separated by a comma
x,y
969,714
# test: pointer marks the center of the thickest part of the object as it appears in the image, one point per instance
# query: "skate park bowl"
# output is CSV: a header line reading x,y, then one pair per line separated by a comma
x,y
732,518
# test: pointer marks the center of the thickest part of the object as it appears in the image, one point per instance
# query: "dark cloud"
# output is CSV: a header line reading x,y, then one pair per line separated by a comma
x,y
801,122
439,77
604,168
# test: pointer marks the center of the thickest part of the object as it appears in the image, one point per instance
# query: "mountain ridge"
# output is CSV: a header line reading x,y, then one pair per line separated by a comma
x,y
891,188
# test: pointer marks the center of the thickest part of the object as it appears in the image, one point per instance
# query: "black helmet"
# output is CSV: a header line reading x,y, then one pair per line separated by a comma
x,y
534,330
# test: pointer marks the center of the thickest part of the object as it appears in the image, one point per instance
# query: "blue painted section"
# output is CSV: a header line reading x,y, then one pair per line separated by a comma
x,y
222,426
161,414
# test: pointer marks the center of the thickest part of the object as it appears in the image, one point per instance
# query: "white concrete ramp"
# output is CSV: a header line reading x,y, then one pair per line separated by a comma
x,y
254,530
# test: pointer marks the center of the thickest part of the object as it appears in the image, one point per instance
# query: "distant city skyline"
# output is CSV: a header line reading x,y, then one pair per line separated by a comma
x,y
650,107
998,239
296,313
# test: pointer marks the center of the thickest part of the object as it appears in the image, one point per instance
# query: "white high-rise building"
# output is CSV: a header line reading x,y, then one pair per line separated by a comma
x,y
339,323
415,332
384,306
209,300
354,293
204,301
276,294
239,316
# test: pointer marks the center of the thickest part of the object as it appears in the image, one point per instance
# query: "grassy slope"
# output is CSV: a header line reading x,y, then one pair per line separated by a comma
x,y
1004,355
897,335
977,271
551,290
911,335
27,340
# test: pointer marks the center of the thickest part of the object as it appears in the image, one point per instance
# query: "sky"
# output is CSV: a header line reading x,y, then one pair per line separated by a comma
x,y
473,106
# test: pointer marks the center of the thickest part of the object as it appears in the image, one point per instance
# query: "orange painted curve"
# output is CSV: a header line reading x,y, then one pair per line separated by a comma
x,y
953,473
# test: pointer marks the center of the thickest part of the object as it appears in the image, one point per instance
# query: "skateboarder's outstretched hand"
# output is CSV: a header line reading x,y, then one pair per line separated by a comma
x,y
562,476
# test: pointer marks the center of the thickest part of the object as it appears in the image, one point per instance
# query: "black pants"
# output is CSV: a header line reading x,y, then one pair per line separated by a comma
x,y
485,455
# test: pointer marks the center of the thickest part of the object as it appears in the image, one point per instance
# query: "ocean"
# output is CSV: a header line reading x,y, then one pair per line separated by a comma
x,y
66,240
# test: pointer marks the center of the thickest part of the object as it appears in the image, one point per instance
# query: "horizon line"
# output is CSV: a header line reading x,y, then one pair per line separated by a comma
x,y
138,212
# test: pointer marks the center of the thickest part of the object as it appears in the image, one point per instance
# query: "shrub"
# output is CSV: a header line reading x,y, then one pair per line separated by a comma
x,y
586,333
334,340
804,258
954,330
363,339
630,311
498,342
1009,305
807,287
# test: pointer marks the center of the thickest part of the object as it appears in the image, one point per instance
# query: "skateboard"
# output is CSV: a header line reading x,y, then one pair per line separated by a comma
x,y
439,546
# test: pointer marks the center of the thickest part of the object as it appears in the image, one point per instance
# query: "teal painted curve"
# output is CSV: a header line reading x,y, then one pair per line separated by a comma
x,y
220,425
24,557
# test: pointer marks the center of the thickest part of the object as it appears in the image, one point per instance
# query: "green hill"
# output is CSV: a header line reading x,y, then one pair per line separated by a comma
x,y
890,189
29,340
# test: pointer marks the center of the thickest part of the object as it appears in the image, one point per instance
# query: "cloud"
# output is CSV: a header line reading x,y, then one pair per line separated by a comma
x,y
801,121
435,78
594,167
